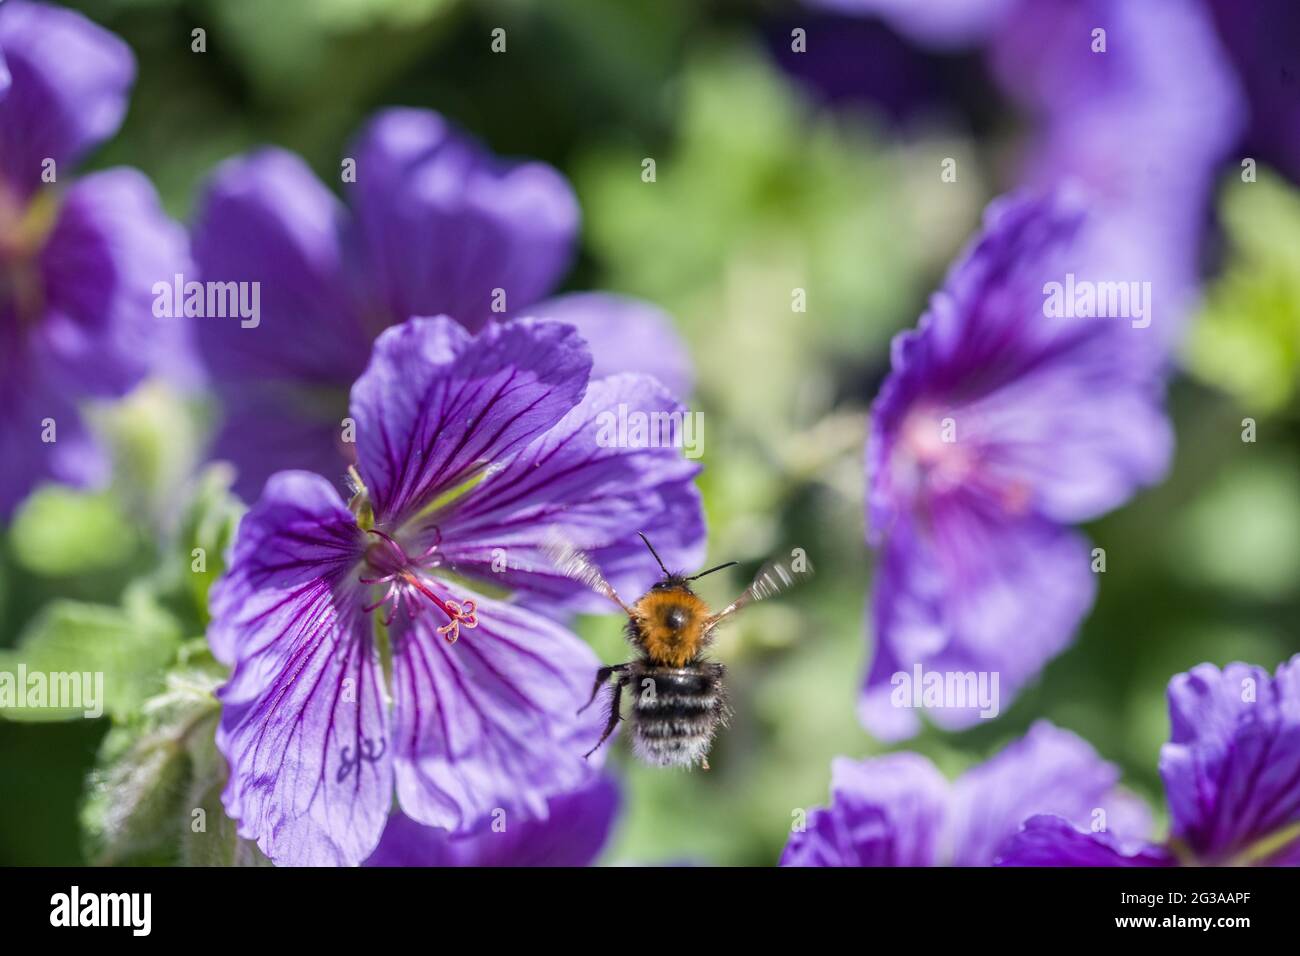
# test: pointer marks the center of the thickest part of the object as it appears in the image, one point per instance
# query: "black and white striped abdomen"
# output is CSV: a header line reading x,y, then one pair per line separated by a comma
x,y
675,711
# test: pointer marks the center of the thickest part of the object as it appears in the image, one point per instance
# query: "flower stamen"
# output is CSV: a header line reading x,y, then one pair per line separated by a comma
x,y
399,572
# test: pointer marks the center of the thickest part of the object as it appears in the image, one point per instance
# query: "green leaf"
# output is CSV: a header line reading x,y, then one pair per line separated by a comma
x,y
59,531
781,238
156,438
90,659
138,805
1242,533
1247,340
207,529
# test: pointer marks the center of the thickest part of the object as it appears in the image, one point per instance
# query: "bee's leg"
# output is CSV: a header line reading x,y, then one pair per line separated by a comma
x,y
615,713
602,675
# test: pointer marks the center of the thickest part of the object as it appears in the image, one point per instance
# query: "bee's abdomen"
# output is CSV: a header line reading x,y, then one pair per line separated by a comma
x,y
676,712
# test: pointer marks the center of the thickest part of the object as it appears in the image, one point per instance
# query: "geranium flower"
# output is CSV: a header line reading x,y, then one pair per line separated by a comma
x,y
1231,772
78,258
898,810
998,427
470,451
434,225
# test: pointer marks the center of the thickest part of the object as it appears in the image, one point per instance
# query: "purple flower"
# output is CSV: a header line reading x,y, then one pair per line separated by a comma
x,y
573,834
898,810
1262,47
1143,125
434,225
78,259
470,450
1231,772
1135,102
998,427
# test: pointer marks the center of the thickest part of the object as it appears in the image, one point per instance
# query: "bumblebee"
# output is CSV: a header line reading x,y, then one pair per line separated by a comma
x,y
678,696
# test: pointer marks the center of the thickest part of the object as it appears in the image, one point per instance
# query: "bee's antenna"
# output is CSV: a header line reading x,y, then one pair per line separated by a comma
x,y
729,564
655,553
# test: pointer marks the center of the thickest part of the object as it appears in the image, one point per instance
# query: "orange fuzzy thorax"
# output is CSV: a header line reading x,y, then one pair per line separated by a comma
x,y
664,643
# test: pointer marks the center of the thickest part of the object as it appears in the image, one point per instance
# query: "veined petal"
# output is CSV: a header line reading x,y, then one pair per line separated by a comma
x,y
297,538
576,827
887,811
490,721
972,594
67,92
1232,765
598,484
303,722
441,225
1048,771
1048,840
436,403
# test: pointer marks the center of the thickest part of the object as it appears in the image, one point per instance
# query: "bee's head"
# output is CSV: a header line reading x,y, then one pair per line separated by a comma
x,y
672,581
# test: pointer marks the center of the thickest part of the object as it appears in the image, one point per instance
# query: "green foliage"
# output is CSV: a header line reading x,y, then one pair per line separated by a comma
x,y
758,195
155,437
1243,534
1248,340
207,529
130,647
60,532
154,795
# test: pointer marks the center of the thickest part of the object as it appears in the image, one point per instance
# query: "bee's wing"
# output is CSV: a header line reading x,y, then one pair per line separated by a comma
x,y
772,579
576,564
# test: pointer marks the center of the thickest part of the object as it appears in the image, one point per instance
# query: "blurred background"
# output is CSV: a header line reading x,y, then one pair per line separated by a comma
x,y
774,173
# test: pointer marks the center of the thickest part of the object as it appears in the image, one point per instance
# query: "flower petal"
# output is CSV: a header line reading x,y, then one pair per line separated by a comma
x,y
624,335
942,24
1049,771
441,224
1055,415
436,403
266,219
297,538
489,722
1048,840
583,479
574,831
269,426
93,336
974,594
1262,53
887,811
30,401
1232,766
109,245
68,85
1144,127
303,723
